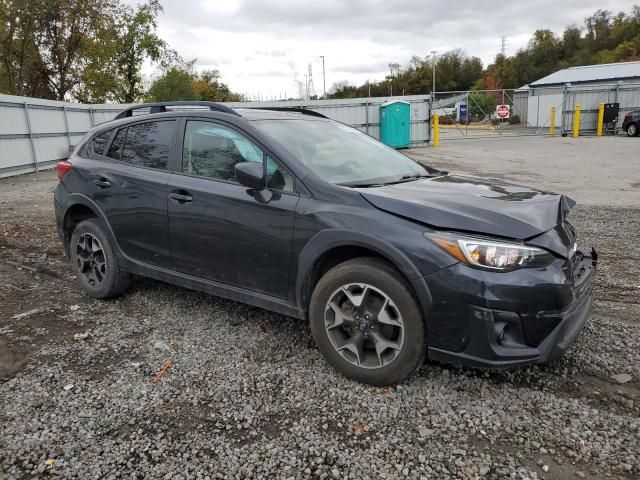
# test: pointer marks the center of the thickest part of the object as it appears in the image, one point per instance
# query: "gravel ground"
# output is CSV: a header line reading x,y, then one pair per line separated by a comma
x,y
173,383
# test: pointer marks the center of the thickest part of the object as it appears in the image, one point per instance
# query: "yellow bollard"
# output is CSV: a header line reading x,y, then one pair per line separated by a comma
x,y
600,119
576,121
436,130
552,124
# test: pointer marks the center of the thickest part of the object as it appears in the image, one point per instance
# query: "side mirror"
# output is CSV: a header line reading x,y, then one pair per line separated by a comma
x,y
251,175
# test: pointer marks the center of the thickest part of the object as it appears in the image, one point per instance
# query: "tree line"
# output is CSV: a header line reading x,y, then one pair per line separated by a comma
x,y
604,38
93,51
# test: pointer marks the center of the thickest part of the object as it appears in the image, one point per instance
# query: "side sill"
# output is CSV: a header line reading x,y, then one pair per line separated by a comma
x,y
212,288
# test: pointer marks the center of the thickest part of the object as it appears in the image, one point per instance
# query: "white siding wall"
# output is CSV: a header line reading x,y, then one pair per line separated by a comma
x,y
56,125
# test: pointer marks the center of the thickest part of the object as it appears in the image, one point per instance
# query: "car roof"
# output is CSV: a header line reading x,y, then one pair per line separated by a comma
x,y
202,107
267,114
248,114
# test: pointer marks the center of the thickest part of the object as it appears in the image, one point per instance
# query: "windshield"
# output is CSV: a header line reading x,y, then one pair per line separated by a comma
x,y
340,154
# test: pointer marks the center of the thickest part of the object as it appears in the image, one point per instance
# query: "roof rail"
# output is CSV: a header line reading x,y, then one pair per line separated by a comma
x,y
160,107
304,111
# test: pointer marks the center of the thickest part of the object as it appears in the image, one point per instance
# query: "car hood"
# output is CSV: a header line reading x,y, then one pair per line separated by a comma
x,y
473,204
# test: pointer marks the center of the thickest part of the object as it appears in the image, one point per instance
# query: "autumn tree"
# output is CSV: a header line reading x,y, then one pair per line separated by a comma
x,y
180,81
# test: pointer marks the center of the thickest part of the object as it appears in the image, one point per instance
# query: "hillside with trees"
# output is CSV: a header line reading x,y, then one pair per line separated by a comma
x,y
604,38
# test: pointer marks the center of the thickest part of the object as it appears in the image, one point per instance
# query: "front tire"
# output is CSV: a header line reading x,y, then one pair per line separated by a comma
x,y
367,323
94,262
632,130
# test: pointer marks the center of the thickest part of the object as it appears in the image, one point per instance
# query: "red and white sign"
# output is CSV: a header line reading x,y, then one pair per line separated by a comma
x,y
502,111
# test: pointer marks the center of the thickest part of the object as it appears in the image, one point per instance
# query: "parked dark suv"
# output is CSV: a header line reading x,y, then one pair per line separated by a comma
x,y
389,260
631,123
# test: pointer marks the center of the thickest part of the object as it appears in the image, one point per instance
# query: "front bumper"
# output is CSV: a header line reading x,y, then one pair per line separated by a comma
x,y
488,319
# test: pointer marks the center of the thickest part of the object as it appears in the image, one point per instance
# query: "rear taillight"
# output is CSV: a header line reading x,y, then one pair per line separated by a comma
x,y
62,168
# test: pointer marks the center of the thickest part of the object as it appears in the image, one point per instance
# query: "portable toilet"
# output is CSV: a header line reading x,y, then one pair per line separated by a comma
x,y
395,124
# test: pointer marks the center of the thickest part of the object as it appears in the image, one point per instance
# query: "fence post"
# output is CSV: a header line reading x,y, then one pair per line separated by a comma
x,y
34,158
93,121
563,131
552,122
617,100
436,130
430,116
576,121
366,115
66,127
600,119
428,112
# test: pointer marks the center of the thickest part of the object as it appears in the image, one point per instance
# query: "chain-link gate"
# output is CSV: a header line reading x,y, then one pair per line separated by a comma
x,y
487,114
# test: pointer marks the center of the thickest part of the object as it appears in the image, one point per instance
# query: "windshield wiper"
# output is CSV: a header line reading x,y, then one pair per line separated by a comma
x,y
404,178
362,185
411,177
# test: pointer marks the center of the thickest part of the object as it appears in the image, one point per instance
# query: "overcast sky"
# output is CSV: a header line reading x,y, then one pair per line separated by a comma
x,y
265,46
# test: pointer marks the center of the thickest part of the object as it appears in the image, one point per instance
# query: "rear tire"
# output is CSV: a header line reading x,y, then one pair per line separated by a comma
x,y
367,323
633,130
94,262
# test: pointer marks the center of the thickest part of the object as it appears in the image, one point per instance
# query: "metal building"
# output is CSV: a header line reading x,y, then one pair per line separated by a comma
x,y
587,86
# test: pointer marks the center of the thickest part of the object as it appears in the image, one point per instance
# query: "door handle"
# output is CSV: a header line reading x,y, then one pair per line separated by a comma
x,y
181,197
102,183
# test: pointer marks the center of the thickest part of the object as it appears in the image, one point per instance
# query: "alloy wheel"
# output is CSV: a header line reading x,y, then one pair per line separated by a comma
x,y
631,130
91,259
364,325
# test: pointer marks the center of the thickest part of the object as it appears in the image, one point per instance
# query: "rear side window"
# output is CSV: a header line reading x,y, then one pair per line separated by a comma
x,y
99,143
149,144
115,150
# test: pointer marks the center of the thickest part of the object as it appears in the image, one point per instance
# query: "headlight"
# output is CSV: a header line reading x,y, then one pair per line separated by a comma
x,y
487,254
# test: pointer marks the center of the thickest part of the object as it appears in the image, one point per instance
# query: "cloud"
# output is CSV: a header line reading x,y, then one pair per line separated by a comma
x,y
266,45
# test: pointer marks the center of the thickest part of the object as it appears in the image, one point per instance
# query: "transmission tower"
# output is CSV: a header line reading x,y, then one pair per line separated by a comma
x,y
310,89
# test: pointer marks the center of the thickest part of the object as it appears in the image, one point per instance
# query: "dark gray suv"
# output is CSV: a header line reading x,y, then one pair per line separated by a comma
x,y
631,123
390,261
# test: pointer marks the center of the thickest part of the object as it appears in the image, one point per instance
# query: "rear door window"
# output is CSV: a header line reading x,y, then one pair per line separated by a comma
x,y
115,150
99,142
149,144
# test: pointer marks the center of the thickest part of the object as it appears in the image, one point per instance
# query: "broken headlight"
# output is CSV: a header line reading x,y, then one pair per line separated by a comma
x,y
491,255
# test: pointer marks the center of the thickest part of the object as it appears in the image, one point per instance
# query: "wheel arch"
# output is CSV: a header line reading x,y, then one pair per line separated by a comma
x,y
331,247
81,208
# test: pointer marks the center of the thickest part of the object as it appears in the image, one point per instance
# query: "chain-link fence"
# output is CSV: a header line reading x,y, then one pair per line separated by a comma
x,y
539,111
623,97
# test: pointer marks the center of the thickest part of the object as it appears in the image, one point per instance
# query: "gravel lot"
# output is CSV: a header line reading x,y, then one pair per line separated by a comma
x,y
173,383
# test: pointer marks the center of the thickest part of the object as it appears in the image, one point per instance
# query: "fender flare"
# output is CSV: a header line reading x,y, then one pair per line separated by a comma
x,y
329,239
80,199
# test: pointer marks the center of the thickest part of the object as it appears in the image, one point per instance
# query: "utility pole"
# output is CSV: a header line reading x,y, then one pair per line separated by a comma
x,y
324,79
433,68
